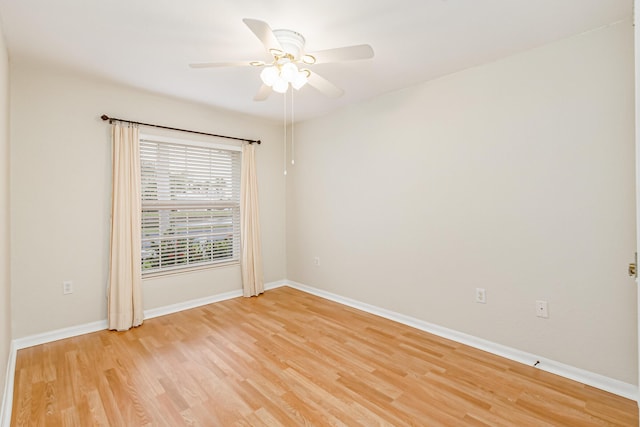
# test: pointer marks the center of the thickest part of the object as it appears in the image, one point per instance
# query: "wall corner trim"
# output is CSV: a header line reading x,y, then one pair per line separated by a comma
x,y
602,382
7,400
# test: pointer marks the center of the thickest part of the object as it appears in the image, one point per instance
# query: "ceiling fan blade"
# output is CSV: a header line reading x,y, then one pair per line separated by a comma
x,y
220,64
347,53
263,93
264,33
324,86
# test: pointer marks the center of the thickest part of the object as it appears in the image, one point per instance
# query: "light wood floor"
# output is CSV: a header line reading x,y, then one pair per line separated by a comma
x,y
292,359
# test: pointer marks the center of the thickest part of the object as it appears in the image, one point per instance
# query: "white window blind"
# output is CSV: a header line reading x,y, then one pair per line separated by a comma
x,y
190,204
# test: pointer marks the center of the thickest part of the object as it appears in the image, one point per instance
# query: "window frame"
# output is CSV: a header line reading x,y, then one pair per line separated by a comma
x,y
191,206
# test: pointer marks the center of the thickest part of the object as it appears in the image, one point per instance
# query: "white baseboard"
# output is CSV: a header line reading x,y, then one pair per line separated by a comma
x,y
100,325
276,284
7,400
187,305
617,387
59,334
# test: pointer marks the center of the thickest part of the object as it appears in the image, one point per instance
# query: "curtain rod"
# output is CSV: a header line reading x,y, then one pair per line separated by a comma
x,y
113,119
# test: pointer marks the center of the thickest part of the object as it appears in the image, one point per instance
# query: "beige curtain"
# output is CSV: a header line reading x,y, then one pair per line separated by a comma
x,y
125,292
251,261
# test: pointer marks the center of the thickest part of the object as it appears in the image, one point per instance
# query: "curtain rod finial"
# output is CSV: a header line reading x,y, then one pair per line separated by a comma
x,y
104,117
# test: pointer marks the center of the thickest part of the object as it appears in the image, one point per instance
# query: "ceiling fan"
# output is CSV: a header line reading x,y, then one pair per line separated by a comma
x,y
290,62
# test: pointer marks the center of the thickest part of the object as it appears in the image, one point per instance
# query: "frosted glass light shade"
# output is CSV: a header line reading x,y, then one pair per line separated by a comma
x,y
269,75
288,72
280,85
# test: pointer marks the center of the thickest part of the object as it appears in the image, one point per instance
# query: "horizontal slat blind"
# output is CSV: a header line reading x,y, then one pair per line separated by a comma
x,y
190,205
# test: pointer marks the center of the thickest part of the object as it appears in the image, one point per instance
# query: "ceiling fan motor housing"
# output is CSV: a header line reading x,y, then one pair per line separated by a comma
x,y
291,42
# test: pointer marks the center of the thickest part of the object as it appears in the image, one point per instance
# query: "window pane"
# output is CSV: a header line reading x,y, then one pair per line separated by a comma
x,y
175,234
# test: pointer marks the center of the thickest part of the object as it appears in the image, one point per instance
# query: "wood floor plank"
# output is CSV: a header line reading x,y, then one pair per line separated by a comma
x,y
288,358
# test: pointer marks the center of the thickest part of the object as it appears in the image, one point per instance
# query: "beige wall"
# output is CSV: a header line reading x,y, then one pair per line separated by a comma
x,y
5,288
60,194
516,176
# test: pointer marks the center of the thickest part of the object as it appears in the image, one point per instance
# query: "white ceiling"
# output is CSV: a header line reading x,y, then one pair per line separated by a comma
x,y
148,43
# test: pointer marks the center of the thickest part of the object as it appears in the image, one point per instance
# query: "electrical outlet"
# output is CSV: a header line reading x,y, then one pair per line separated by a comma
x,y
316,260
542,309
481,295
67,287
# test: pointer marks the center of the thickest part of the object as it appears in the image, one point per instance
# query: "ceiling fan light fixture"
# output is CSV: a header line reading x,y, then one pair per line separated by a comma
x,y
269,75
288,72
280,85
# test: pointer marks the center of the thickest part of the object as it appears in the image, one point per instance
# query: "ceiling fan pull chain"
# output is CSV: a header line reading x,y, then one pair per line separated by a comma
x,y
285,133
293,162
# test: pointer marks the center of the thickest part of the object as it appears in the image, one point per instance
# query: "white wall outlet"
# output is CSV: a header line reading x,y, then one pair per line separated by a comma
x,y
542,309
316,260
67,287
481,295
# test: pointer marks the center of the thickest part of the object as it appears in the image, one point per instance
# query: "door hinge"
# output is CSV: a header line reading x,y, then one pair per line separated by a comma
x,y
633,267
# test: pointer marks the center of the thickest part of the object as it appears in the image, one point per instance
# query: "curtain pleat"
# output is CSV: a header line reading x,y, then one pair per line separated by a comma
x,y
125,289
251,256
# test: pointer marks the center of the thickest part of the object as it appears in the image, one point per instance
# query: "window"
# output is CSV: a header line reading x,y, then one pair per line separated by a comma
x,y
190,204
